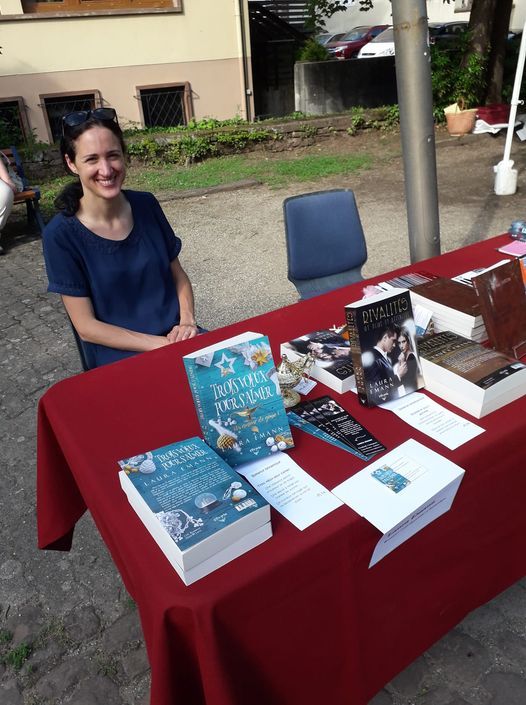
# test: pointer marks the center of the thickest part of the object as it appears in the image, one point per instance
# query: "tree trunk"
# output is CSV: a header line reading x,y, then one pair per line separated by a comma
x,y
501,23
481,25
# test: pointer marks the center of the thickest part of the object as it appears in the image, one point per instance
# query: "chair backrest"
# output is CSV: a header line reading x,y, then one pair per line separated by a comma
x,y
84,353
81,350
11,153
325,242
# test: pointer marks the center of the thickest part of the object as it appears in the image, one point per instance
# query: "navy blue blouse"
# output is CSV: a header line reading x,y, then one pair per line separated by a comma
x,y
129,282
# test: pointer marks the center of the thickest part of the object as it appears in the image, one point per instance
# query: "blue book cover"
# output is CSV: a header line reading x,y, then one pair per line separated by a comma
x,y
199,501
238,399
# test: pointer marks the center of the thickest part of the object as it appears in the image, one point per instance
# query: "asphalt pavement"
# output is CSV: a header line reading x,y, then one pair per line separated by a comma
x,y
69,632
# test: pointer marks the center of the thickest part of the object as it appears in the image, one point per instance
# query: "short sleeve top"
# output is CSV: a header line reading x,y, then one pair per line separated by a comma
x,y
129,281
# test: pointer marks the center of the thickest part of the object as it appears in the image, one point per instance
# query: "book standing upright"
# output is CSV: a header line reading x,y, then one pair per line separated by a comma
x,y
502,301
383,347
238,399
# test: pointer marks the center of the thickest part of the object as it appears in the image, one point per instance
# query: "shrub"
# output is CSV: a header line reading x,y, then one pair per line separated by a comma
x,y
313,51
453,81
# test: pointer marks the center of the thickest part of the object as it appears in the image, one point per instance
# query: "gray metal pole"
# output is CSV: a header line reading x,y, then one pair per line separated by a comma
x,y
413,78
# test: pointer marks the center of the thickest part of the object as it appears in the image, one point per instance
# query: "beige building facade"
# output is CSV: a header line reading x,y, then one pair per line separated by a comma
x,y
155,61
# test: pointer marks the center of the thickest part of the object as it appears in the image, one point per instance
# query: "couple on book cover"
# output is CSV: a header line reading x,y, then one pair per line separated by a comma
x,y
391,367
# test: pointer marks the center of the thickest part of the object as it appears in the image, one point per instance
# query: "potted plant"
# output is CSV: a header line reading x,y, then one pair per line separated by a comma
x,y
458,83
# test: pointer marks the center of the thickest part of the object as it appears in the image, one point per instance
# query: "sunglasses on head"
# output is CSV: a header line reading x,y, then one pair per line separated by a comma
x,y
81,116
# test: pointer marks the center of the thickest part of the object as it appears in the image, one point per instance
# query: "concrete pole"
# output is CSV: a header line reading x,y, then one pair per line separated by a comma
x,y
415,99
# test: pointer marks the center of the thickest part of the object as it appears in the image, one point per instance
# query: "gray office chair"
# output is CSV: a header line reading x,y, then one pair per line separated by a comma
x,y
325,242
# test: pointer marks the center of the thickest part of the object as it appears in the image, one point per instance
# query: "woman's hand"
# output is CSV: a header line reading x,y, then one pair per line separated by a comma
x,y
183,331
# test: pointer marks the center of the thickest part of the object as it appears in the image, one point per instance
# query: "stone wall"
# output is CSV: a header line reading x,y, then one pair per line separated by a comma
x,y
42,165
323,87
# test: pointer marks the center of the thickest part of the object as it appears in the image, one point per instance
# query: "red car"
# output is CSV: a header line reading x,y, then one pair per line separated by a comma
x,y
351,43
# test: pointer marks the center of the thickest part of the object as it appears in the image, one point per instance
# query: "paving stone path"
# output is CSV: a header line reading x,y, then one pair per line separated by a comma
x,y
69,633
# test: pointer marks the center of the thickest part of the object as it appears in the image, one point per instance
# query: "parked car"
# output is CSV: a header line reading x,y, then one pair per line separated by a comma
x,y
351,43
327,37
444,34
381,45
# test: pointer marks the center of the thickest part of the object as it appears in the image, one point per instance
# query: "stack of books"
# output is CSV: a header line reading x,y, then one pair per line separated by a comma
x,y
454,306
332,358
200,512
406,281
476,379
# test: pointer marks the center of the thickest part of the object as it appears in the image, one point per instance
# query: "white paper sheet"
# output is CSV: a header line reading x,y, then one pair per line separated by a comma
x,y
429,417
305,385
289,489
402,492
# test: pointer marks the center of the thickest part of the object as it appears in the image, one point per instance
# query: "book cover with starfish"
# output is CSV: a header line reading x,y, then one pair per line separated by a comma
x,y
237,398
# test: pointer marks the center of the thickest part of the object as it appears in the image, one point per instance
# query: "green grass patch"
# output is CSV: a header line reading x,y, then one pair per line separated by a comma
x,y
18,656
275,171
107,665
271,171
5,636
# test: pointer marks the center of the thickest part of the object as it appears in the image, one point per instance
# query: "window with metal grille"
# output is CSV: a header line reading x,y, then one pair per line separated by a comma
x,y
14,128
164,106
56,106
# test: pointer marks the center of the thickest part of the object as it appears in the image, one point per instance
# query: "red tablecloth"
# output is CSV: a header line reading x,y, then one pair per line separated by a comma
x,y
299,619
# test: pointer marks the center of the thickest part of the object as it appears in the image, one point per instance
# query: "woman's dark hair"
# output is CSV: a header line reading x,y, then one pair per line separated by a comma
x,y
405,334
68,199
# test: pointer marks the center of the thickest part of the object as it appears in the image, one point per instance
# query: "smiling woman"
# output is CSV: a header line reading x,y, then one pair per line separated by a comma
x,y
111,254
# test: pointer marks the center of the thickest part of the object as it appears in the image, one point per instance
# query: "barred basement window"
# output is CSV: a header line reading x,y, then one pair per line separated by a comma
x,y
165,105
14,127
56,105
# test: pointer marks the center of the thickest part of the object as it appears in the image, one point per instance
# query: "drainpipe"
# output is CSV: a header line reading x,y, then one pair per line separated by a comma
x,y
247,91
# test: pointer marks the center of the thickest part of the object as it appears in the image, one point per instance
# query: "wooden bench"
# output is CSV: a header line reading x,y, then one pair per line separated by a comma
x,y
30,195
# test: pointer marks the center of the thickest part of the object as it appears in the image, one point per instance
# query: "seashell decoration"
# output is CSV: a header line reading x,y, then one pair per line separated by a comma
x,y
147,466
225,441
287,440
